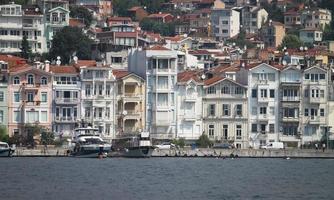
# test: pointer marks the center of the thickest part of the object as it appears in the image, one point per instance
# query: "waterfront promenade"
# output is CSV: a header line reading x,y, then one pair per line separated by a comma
x,y
202,152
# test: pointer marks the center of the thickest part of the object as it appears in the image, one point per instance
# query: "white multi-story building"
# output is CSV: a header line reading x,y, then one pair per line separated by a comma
x,y
263,104
314,104
66,90
189,105
98,98
16,22
225,23
158,66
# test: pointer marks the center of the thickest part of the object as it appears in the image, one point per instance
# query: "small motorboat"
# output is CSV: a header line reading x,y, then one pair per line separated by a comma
x,y
5,150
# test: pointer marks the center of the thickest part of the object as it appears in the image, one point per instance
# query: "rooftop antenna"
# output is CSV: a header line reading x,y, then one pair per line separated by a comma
x,y
58,62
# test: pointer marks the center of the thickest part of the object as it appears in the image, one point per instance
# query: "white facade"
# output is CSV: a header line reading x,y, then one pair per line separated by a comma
x,y
225,23
66,103
98,99
263,104
189,110
253,18
315,110
15,23
158,66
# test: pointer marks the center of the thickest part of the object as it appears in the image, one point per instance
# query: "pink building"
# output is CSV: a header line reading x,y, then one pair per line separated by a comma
x,y
30,97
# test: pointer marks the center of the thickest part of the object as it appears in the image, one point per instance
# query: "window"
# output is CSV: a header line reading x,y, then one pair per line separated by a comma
x,y
87,112
211,130
271,128
100,110
16,97
238,90
16,80
55,17
322,112
254,128
100,89
107,112
44,81
306,93
1,116
212,110
263,110
44,97
32,116
44,116
30,97
87,90
322,93
108,90
263,93
272,93
75,112
306,112
307,76
212,90
239,109
225,90
226,110
1,96
322,76
225,131
30,79
17,116
238,132
254,93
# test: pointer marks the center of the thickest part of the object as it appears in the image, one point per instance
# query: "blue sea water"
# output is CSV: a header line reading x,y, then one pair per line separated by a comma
x,y
165,179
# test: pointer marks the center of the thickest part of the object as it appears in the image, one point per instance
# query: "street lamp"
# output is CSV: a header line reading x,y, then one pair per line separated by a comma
x,y
327,134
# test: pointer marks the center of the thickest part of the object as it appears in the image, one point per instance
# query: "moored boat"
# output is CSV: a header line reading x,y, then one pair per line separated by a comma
x,y
133,146
5,150
89,144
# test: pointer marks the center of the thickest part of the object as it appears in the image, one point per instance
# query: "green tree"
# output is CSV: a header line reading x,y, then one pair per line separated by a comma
x,y
165,29
31,131
83,13
274,12
121,6
241,40
203,141
3,134
291,42
20,2
25,48
47,138
179,142
68,41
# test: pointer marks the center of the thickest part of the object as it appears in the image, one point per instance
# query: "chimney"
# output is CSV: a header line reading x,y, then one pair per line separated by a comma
x,y
47,65
37,64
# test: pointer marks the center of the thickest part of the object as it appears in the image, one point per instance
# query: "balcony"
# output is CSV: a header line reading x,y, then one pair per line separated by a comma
x,y
190,99
316,100
128,97
263,100
67,100
189,117
131,114
291,99
262,82
26,86
66,119
290,119
263,117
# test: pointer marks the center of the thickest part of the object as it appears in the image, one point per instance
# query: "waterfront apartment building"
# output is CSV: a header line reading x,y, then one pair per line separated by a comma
x,y
3,93
66,90
98,98
189,105
225,22
263,104
314,103
130,109
225,112
15,22
158,67
30,98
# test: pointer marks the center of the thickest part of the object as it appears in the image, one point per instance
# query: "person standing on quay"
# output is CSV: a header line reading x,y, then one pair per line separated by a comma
x,y
323,147
316,146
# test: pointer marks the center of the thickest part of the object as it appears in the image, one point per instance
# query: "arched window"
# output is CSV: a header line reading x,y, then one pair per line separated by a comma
x,y
16,80
31,79
225,89
44,81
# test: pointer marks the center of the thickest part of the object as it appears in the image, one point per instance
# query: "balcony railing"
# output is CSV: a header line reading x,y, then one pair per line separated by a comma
x,y
66,119
290,98
67,100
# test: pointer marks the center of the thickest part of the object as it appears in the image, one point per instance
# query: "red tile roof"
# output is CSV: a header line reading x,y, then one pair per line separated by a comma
x,y
76,23
126,34
158,48
63,69
120,73
135,8
88,63
213,80
186,76
199,52
159,15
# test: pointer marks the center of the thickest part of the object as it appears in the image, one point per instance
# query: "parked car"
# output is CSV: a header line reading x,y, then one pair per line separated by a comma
x,y
273,145
165,145
222,146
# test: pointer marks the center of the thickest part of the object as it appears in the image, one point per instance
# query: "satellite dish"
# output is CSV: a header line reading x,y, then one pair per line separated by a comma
x,y
284,62
36,9
203,76
125,112
58,62
75,58
301,48
58,57
305,48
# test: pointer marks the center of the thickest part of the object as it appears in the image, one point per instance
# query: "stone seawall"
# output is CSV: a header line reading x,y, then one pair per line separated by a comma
x,y
242,153
246,153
